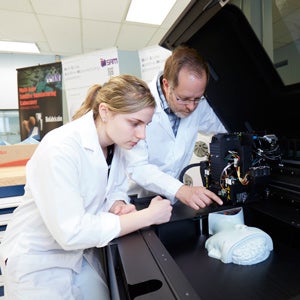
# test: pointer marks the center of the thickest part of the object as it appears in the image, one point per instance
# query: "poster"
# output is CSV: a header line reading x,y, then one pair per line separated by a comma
x,y
152,61
82,71
40,100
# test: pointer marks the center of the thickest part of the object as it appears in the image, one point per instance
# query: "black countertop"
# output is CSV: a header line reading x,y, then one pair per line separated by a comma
x,y
181,243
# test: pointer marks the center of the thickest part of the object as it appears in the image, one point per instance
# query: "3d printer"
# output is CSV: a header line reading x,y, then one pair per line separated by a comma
x,y
239,166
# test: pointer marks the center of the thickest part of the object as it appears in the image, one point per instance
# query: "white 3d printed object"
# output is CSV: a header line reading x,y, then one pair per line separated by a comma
x,y
234,242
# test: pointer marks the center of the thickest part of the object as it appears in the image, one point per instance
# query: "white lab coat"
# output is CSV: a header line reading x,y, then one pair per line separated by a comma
x,y
162,153
65,206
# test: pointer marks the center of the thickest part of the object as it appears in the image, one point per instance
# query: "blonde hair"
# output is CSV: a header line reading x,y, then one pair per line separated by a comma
x,y
122,94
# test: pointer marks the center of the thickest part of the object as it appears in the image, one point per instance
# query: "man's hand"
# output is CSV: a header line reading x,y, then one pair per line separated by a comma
x,y
197,196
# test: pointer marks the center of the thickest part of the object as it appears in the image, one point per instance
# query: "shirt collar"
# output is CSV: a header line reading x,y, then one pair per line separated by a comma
x,y
163,101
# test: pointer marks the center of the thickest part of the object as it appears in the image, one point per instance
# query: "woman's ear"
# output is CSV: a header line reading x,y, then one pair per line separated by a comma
x,y
103,112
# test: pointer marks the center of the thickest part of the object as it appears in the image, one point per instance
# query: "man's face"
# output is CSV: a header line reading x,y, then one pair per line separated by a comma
x,y
184,98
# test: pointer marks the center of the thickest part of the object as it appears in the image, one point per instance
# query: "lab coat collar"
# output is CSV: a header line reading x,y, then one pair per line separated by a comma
x,y
88,132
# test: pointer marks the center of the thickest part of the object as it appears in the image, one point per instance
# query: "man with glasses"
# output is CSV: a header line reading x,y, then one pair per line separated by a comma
x,y
182,111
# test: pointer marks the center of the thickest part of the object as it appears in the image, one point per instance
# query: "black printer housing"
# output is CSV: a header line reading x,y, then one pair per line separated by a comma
x,y
247,93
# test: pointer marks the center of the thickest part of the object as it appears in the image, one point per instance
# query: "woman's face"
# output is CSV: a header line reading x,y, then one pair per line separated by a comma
x,y
126,130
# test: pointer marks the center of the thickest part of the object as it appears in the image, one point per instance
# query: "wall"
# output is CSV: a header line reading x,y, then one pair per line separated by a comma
x,y
286,59
290,59
129,63
9,63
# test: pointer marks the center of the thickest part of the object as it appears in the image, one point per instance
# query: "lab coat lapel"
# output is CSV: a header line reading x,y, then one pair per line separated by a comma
x,y
88,132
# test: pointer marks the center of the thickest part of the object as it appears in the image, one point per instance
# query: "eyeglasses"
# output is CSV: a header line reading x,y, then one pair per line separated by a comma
x,y
187,101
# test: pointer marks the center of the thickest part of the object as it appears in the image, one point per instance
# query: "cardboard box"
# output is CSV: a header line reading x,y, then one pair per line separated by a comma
x,y
16,155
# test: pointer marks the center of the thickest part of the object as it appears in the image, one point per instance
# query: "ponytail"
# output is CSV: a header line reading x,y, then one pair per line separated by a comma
x,y
89,102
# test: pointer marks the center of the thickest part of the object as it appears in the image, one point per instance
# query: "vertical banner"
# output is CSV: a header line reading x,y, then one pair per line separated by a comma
x,y
152,60
40,100
82,71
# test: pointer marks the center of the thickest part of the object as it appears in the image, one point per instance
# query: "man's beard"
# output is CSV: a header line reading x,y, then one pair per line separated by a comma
x,y
180,115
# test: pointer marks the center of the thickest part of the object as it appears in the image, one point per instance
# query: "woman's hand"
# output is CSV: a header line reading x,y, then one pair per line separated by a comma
x,y
160,210
120,207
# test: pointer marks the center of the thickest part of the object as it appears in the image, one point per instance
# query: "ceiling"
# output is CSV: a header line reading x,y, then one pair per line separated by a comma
x,y
71,27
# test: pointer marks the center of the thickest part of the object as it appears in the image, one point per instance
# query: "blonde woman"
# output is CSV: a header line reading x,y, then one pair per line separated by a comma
x,y
72,204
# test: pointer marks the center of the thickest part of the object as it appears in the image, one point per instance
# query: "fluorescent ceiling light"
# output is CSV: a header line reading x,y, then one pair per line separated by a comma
x,y
18,47
149,11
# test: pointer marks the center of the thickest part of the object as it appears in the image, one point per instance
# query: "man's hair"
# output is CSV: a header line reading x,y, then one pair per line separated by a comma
x,y
187,58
